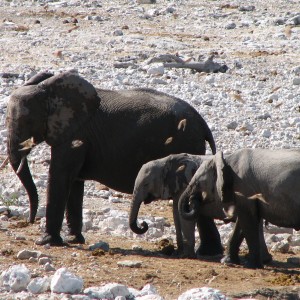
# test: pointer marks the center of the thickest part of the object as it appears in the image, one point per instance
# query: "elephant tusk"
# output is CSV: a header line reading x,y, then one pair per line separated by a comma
x,y
28,144
168,140
182,124
180,168
4,163
21,164
76,143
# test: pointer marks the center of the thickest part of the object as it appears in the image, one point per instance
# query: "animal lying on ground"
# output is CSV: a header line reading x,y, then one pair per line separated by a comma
x,y
253,185
95,134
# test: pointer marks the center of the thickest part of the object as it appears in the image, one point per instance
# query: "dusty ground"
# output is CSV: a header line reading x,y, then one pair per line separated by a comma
x,y
171,276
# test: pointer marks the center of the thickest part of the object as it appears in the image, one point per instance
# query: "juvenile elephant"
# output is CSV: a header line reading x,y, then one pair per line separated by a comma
x,y
94,134
253,184
166,178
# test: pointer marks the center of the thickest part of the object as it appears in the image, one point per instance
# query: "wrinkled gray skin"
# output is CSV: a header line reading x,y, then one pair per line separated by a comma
x,y
253,184
164,179
94,134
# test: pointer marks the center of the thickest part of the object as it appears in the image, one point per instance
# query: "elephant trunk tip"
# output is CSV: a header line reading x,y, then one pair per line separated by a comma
x,y
139,230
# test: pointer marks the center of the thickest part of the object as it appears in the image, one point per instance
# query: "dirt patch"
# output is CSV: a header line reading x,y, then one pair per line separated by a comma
x,y
170,275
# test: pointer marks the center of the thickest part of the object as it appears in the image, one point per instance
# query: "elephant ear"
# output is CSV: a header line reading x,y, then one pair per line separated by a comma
x,y
71,102
224,182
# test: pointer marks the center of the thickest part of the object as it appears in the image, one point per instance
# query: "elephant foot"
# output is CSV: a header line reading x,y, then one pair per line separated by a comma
x,y
253,265
267,258
75,239
184,254
227,260
210,249
52,240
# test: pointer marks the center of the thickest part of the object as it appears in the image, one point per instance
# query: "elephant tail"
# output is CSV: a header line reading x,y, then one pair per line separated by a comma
x,y
210,139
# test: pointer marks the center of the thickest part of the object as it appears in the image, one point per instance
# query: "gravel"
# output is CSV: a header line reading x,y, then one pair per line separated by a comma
x,y
255,103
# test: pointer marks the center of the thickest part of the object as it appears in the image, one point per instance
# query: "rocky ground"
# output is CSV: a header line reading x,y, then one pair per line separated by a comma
x,y
115,44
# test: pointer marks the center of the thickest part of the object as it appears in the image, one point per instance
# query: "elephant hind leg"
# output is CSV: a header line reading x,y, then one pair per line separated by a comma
x,y
74,213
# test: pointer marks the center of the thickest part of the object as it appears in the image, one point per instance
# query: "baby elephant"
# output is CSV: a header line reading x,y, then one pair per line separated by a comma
x,y
252,184
167,178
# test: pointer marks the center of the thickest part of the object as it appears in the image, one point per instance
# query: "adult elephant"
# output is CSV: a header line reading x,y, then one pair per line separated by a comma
x,y
97,135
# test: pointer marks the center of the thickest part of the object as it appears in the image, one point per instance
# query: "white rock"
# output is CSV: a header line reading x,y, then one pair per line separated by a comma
x,y
48,267
129,263
64,281
26,254
156,69
39,285
108,291
282,247
16,278
44,260
203,293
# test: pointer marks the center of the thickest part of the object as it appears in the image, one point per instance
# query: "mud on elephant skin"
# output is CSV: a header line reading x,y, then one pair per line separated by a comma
x,y
254,185
94,134
166,178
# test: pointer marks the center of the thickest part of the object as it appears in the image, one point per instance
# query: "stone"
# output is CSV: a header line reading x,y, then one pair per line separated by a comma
x,y
247,8
282,247
146,1
232,125
108,291
48,267
202,294
295,20
66,282
156,69
296,81
230,26
100,245
39,285
16,278
44,260
129,263
266,133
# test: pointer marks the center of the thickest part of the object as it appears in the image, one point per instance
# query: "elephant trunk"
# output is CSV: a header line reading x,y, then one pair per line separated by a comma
x,y
189,204
18,160
134,210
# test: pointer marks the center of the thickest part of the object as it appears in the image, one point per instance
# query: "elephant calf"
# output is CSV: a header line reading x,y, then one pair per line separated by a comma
x,y
252,184
166,178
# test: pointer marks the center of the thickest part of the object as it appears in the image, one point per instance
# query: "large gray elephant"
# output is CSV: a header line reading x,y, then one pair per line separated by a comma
x,y
252,184
166,178
94,134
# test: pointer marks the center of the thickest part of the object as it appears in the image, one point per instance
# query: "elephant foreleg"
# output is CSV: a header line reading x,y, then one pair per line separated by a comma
x,y
250,226
62,175
210,240
74,213
185,233
233,245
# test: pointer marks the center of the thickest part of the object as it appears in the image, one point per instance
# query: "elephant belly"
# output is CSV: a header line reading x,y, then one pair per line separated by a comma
x,y
284,217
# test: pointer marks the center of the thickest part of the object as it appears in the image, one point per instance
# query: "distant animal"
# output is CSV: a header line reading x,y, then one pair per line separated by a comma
x,y
166,178
253,185
94,134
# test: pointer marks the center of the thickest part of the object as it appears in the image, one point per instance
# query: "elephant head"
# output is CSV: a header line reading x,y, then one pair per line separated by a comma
x,y
213,181
44,109
164,179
